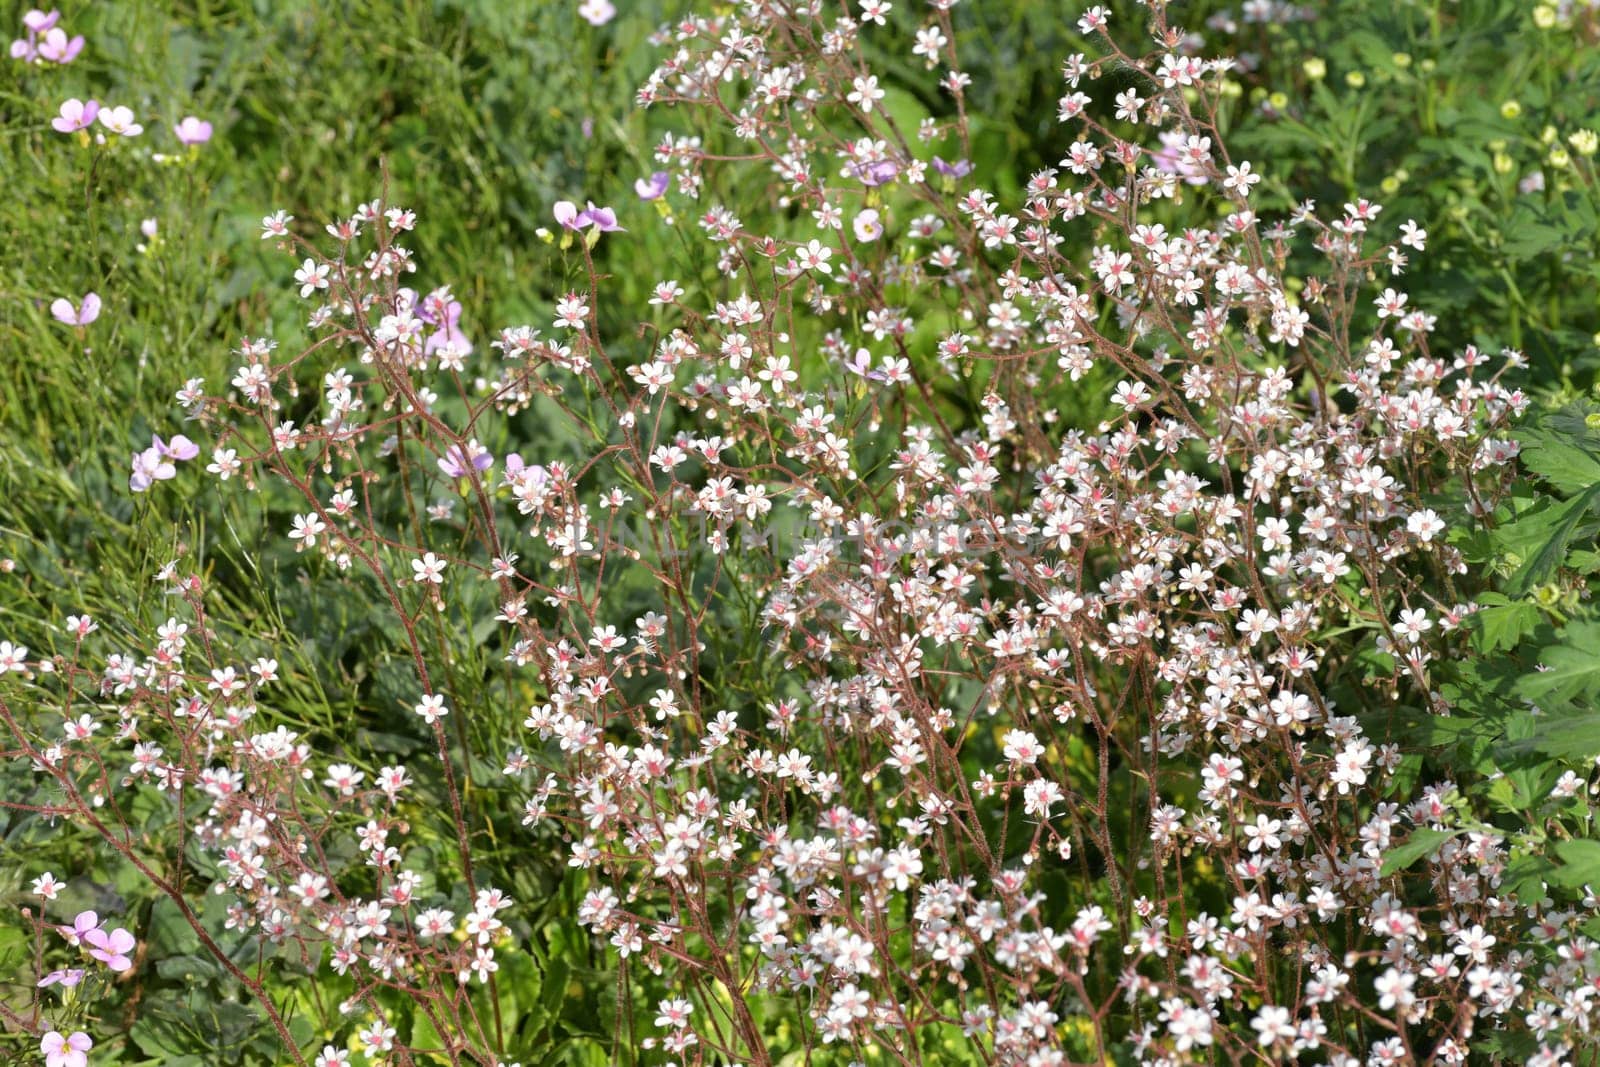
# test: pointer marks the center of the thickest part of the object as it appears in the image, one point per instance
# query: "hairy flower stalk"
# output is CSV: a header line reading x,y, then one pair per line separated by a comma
x,y
947,629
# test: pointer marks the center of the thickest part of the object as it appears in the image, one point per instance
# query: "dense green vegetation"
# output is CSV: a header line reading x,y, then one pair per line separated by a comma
x,y
1477,119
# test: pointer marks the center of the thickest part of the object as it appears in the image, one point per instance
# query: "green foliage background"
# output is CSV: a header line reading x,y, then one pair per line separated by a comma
x,y
480,114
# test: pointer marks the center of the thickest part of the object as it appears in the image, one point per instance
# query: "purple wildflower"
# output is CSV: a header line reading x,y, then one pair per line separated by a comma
x,y
877,172
72,1051
55,47
449,334
458,462
653,187
180,447
81,925
69,977
40,22
603,219
192,130
76,115
58,48
150,467
112,949
156,463
82,315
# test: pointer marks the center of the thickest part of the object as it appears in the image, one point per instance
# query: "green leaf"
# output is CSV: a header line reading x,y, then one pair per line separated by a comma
x,y
169,933
1580,863
1559,456
1529,236
1573,736
1503,623
1572,667
1563,522
1525,876
1422,842
1564,465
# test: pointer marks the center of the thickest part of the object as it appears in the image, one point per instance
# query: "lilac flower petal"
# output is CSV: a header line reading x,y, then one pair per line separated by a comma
x,y
180,447
567,214
192,131
653,187
38,21
603,217
877,172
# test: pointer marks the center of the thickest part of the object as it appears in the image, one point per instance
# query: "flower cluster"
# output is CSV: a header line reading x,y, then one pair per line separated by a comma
x,y
107,949
951,622
45,41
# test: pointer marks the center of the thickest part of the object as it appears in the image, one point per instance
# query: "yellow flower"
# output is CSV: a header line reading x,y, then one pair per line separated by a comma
x,y
1355,79
1584,142
1402,60
1316,69
1558,158
1544,16
1279,101
1503,164
1510,109
1549,135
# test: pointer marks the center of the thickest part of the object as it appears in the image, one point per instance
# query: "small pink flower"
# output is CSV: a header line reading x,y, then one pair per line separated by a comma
x,y
604,218
567,215
57,48
111,949
120,120
459,461
877,172
76,115
69,978
149,467
39,22
81,315
653,187
86,921
193,131
597,12
601,218
180,447
70,1051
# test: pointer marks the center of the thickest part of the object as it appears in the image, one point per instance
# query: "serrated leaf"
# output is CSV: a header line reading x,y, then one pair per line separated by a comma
x,y
1563,521
1571,669
1422,842
1580,863
1525,875
1560,458
1570,736
1501,627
